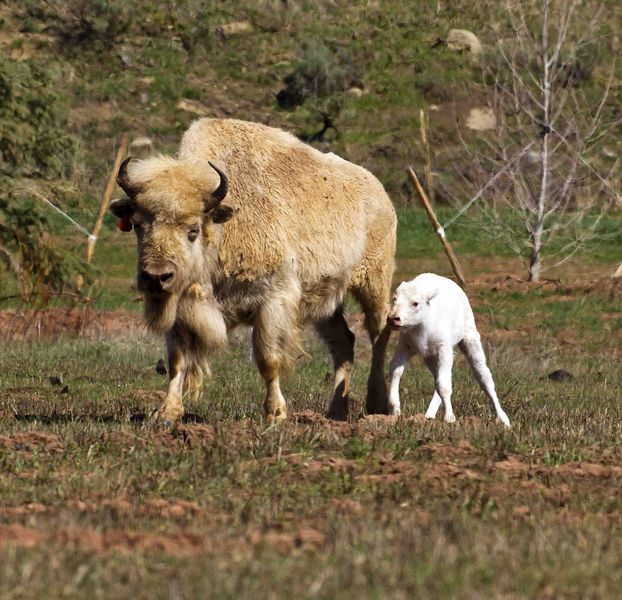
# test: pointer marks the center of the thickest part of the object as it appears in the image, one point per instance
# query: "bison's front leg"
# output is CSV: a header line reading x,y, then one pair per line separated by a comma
x,y
274,339
199,330
178,364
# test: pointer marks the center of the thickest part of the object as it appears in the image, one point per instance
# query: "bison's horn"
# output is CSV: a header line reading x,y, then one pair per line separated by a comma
x,y
124,181
217,196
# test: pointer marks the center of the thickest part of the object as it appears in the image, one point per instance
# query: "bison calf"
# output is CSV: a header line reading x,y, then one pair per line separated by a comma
x,y
433,315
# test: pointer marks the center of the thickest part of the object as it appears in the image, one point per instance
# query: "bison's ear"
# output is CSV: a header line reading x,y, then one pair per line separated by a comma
x,y
123,208
213,199
221,214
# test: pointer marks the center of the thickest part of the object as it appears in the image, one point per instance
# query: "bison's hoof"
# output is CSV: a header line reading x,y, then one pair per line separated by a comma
x,y
377,409
166,417
338,411
277,417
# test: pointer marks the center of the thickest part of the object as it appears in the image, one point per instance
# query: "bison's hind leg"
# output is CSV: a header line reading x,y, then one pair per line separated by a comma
x,y
336,334
374,300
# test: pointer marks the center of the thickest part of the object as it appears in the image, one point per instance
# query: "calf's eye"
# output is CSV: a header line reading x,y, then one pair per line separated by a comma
x,y
193,234
415,304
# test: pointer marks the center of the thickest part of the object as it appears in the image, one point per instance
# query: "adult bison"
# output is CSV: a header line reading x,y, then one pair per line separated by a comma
x,y
275,243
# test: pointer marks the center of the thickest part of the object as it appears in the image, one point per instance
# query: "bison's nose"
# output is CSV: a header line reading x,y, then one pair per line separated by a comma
x,y
393,321
156,281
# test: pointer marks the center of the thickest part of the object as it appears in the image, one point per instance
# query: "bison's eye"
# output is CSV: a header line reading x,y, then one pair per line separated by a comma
x,y
193,234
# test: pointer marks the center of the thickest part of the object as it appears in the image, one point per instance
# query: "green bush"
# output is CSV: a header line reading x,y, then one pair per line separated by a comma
x,y
319,73
34,144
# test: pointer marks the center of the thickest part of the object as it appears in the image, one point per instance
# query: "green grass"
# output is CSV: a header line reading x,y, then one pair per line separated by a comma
x,y
382,521
95,502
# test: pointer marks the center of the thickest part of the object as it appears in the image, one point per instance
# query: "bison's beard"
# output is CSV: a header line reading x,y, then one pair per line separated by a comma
x,y
161,312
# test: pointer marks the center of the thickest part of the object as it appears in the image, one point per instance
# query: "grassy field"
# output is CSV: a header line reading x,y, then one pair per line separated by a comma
x,y
95,502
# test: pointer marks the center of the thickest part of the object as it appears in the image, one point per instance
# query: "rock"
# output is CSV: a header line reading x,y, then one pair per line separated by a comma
x,y
559,375
481,119
56,380
140,143
357,92
193,106
234,28
462,39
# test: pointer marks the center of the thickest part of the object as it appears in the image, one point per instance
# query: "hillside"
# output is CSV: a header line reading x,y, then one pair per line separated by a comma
x,y
350,77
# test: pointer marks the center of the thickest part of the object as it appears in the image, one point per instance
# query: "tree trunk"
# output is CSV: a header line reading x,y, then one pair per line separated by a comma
x,y
537,227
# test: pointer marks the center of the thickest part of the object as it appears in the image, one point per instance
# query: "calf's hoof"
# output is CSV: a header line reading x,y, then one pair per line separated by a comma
x,y
504,419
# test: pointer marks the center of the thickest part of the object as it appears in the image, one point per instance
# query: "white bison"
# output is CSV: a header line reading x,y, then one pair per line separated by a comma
x,y
297,229
433,315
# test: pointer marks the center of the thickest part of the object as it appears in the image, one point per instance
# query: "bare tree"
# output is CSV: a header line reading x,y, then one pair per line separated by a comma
x,y
549,93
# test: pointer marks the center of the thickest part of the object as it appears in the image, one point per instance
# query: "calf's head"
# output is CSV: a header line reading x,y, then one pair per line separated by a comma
x,y
410,305
169,204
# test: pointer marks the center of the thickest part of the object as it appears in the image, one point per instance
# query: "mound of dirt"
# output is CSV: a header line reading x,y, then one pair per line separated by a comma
x,y
52,323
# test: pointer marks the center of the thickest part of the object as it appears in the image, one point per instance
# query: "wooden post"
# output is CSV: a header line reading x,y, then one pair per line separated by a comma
x,y
438,228
105,201
427,153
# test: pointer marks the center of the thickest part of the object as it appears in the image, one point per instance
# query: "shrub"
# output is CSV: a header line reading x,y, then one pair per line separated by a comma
x,y
33,144
319,73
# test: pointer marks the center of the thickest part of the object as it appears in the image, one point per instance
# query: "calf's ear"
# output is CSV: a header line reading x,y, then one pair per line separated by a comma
x,y
431,294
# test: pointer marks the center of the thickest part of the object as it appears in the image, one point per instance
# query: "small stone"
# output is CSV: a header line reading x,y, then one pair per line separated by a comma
x,y
56,380
234,28
141,142
560,375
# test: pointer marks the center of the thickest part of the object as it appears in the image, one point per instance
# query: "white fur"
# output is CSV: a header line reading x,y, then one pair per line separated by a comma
x,y
433,315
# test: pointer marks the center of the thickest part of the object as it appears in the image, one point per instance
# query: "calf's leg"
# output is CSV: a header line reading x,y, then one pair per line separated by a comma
x,y
400,358
472,349
440,366
434,405
336,334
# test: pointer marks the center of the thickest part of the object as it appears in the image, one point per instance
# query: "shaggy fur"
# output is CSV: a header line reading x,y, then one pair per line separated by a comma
x,y
297,229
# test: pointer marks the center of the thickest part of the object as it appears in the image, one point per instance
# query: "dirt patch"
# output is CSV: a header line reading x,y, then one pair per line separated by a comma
x,y
286,542
32,441
462,450
514,467
52,323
